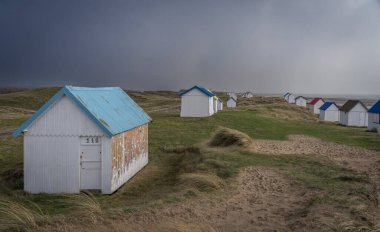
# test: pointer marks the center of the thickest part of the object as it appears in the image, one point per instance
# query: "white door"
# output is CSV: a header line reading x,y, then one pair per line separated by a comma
x,y
361,119
90,160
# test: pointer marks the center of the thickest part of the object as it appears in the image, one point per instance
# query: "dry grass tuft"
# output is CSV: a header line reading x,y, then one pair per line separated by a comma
x,y
201,181
17,215
86,205
225,137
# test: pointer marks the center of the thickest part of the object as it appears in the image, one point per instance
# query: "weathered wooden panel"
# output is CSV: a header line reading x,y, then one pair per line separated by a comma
x,y
129,154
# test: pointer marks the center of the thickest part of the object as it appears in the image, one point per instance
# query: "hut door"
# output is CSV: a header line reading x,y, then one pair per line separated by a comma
x,y
90,163
362,119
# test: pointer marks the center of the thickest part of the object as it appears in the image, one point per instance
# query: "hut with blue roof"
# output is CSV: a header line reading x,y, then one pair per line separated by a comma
x,y
329,111
197,102
231,102
84,139
220,104
374,117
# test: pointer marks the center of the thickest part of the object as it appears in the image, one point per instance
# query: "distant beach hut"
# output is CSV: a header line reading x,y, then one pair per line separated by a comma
x,y
301,101
329,111
231,103
220,104
353,113
84,139
291,98
315,104
197,102
215,104
286,96
374,117
247,95
234,95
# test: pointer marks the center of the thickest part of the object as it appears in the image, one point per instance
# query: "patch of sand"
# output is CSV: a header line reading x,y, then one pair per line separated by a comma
x,y
354,158
263,200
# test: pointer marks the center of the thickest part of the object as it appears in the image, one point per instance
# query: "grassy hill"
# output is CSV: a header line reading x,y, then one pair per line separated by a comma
x,y
183,167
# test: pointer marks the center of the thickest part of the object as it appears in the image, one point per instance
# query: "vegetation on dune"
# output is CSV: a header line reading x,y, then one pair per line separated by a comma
x,y
30,99
225,137
16,215
181,167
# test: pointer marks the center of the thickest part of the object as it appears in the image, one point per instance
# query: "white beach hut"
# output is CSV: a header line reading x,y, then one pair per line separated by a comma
x,y
247,95
84,139
197,102
220,104
286,96
329,111
291,98
353,113
231,103
301,101
315,104
374,117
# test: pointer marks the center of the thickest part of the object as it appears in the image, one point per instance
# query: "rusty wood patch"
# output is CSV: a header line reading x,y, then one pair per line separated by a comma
x,y
126,147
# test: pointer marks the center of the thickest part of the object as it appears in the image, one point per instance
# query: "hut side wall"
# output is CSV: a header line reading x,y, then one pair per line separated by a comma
x,y
129,155
301,102
291,99
374,121
231,103
358,117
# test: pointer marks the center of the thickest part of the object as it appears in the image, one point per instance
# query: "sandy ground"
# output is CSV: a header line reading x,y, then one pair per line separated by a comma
x,y
263,200
354,158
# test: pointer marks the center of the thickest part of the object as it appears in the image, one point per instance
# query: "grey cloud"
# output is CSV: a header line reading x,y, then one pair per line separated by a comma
x,y
303,46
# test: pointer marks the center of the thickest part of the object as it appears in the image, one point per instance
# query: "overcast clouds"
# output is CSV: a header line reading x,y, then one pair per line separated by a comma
x,y
304,46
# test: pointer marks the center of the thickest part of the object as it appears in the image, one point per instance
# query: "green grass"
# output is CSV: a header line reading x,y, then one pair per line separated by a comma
x,y
29,99
171,130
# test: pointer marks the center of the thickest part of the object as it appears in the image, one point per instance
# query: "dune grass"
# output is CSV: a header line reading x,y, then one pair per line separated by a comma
x,y
181,168
225,137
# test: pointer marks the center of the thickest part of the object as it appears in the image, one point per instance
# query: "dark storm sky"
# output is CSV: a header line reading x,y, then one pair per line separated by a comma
x,y
303,46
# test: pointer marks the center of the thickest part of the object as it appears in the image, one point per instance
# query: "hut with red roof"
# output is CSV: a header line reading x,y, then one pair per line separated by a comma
x,y
315,104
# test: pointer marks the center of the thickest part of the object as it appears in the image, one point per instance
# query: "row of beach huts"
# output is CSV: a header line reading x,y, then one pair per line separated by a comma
x,y
351,113
97,138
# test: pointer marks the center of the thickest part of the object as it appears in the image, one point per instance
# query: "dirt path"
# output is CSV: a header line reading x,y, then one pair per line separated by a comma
x,y
354,158
264,200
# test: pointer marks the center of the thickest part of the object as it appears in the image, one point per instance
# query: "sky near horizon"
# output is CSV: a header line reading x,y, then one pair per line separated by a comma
x,y
265,46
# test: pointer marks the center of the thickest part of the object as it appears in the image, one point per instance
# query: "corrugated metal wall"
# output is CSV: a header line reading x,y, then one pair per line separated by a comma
x,y
196,104
51,149
129,154
51,164
64,118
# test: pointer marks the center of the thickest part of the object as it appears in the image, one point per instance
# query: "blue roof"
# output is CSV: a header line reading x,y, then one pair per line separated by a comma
x,y
326,105
203,90
286,94
110,108
375,108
